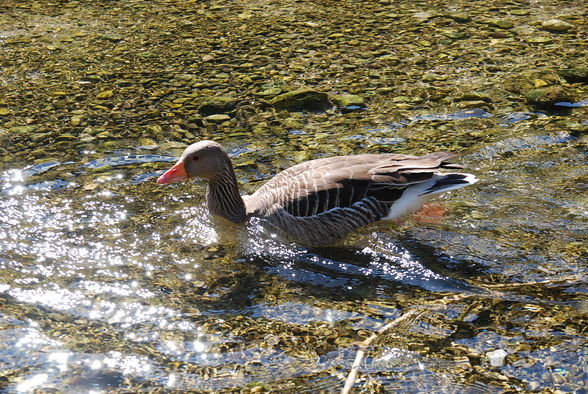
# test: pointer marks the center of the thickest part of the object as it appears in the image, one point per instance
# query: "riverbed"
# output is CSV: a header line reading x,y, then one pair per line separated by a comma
x,y
111,283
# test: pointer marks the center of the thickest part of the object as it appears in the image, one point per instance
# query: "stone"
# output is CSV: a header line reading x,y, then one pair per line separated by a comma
x,y
217,118
460,17
173,145
301,99
217,105
146,143
475,96
65,137
539,40
501,23
496,357
556,25
473,104
519,12
23,129
106,94
454,34
432,77
548,96
575,74
269,92
424,15
76,120
348,100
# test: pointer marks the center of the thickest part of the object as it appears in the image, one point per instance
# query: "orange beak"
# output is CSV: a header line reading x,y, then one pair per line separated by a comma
x,y
175,174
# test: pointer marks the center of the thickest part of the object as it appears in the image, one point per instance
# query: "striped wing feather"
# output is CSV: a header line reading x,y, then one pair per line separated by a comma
x,y
318,186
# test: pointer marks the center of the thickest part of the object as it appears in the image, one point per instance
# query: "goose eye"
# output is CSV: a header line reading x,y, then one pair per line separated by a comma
x,y
195,158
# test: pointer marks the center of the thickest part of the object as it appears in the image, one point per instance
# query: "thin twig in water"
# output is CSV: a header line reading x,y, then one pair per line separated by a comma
x,y
350,381
566,280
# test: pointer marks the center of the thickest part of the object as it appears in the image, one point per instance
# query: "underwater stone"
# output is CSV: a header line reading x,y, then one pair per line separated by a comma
x,y
501,23
556,25
23,129
215,105
347,100
301,99
218,118
269,92
496,357
460,17
76,120
475,96
576,74
538,40
105,94
431,77
548,96
473,104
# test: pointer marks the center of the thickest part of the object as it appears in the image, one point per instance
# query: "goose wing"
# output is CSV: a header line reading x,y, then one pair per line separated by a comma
x,y
319,186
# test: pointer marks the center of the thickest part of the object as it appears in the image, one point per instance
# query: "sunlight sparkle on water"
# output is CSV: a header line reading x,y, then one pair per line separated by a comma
x,y
171,380
60,358
60,299
199,346
31,383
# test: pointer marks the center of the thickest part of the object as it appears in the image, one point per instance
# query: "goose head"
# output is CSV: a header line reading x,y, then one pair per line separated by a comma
x,y
204,159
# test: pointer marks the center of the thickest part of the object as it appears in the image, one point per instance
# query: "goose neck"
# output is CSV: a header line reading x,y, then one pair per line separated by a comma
x,y
224,199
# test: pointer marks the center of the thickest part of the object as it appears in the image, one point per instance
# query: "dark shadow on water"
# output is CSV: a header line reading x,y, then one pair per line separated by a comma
x,y
441,263
342,272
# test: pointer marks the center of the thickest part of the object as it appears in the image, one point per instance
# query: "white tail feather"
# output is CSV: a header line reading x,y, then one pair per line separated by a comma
x,y
416,195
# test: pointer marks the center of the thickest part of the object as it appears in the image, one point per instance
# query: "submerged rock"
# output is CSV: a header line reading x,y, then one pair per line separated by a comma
x,y
217,105
475,96
547,97
301,99
539,40
105,95
497,357
575,74
501,23
348,100
23,129
218,118
556,25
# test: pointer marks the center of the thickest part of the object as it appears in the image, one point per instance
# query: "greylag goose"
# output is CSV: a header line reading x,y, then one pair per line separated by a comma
x,y
320,201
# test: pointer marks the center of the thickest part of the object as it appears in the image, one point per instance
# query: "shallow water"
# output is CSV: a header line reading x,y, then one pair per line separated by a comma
x,y
109,282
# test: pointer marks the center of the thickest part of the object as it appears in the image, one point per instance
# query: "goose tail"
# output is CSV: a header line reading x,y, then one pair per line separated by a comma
x,y
416,195
442,183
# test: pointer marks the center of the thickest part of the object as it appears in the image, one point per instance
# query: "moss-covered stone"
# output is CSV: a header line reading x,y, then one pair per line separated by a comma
x,y
348,100
301,99
216,104
556,25
547,97
217,118
575,74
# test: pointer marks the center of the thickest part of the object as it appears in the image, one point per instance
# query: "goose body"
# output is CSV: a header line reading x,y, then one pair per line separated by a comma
x,y
320,201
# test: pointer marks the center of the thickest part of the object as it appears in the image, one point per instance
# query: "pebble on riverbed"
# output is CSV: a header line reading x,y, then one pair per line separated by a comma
x,y
556,25
547,97
497,357
348,100
575,74
302,99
